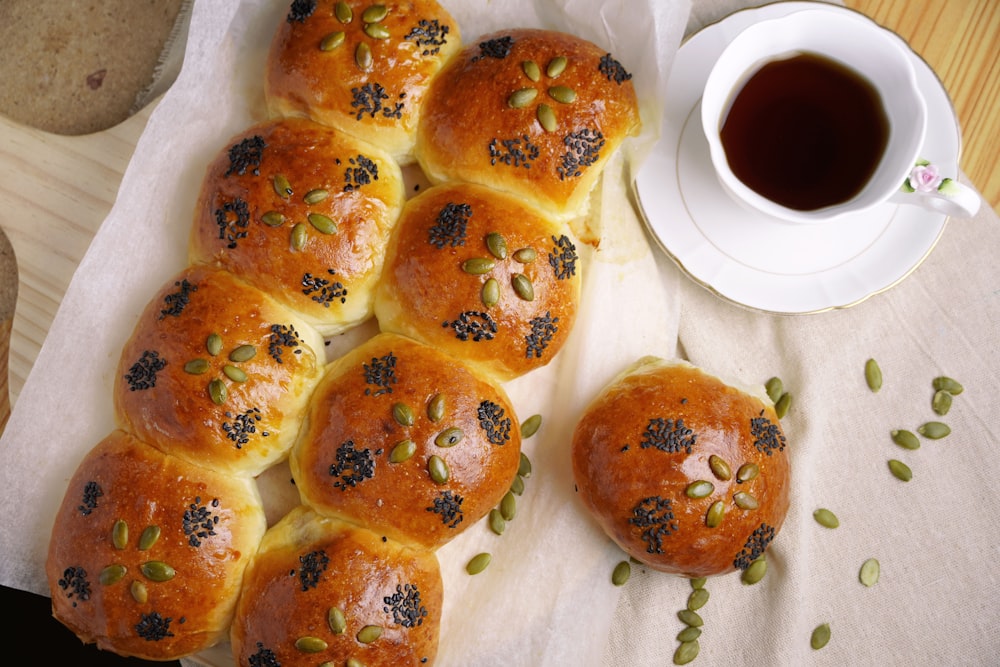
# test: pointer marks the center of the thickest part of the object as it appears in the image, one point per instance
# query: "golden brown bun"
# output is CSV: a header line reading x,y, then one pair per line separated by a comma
x,y
208,524
470,132
159,399
307,567
244,225
380,104
426,294
343,464
649,435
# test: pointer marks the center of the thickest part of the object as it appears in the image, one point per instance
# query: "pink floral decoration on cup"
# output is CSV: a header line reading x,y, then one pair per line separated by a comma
x,y
924,177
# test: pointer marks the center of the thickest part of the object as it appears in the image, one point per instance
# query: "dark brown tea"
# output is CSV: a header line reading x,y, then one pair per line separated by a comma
x,y
805,132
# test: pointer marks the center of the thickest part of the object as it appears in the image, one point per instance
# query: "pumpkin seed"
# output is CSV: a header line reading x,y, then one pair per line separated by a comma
x,y
369,633
403,414
698,582
310,644
119,534
376,31
556,66
299,236
112,574
782,406
490,293
719,467
941,402
478,563
497,522
477,266
873,375
233,373
521,98
755,572
449,437
697,599
945,383
747,472
336,620
870,571
525,255
524,466
517,486
745,501
562,94
139,591
620,575
149,537
691,618
363,56
546,117
699,489
243,353
438,469
324,224
774,388
217,391
508,506
820,636
157,570
332,41
315,196
282,187
686,652
900,470
343,12
273,219
688,634
531,70
436,407
905,439
196,367
826,518
497,245
522,286
375,14
934,430
715,513
213,344
530,426
351,662
402,451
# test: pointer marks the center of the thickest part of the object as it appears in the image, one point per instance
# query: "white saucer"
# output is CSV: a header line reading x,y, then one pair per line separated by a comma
x,y
757,261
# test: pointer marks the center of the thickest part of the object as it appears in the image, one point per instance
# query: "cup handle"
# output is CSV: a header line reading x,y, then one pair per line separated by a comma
x,y
925,187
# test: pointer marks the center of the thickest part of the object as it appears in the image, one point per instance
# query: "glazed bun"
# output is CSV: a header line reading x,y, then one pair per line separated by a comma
x,y
686,473
361,67
321,591
217,373
534,113
405,440
304,213
509,314
148,552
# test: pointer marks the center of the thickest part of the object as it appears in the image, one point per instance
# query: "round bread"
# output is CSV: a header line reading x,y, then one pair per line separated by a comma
x,y
510,314
147,552
233,403
663,459
407,441
320,591
532,112
360,67
303,213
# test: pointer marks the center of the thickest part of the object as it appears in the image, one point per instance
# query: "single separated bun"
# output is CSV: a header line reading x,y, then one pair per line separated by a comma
x,y
147,552
686,473
535,113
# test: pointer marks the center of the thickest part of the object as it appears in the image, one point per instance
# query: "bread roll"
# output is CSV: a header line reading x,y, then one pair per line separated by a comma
x,y
508,316
323,592
217,373
532,112
148,552
664,460
360,67
303,213
405,440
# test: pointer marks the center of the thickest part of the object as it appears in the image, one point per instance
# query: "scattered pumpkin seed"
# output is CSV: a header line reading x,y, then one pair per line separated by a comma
x,y
497,522
531,70
139,591
343,12
315,196
497,245
490,293
522,286
686,652
336,620
403,414
688,634
546,117
774,388
870,571
112,574
324,224
719,467
900,470
282,187
747,472
438,469
697,599
905,439
310,644
436,408
449,437
273,219
299,236
715,514
376,31
157,570
213,344
149,537
698,582
217,391
873,375
508,506
351,662
783,405
556,66
196,367
517,486
691,618
369,633
945,383
820,636
477,266
826,518
119,534
375,14
620,575
524,466
478,563
755,572
525,255
363,56
233,373
699,489
934,430
530,426
332,41
522,97
402,451
941,402
243,353
562,94
745,501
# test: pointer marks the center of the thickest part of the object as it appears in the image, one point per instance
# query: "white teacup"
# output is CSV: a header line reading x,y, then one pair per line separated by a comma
x,y
875,55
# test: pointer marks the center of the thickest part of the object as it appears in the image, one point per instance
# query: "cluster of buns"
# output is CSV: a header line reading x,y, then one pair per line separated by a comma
x,y
301,231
